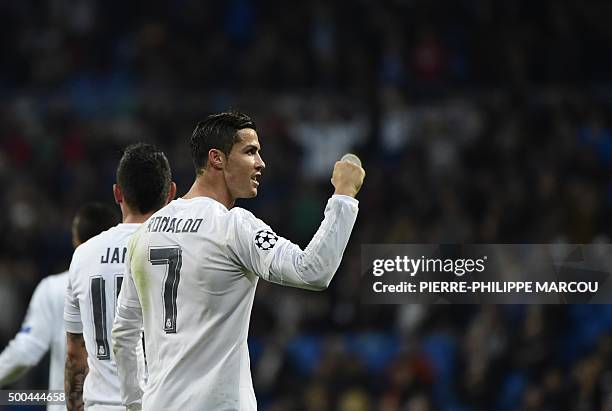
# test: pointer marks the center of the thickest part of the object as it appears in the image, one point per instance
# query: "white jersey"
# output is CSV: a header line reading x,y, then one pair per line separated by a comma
x,y
42,329
191,275
94,280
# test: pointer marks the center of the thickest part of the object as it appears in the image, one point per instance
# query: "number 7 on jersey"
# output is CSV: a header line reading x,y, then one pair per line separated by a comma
x,y
172,257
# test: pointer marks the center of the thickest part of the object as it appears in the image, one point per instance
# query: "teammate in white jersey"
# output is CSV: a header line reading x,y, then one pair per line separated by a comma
x,y
192,270
43,327
95,277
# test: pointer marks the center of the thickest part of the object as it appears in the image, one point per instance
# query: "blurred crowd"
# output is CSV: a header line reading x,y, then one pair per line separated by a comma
x,y
477,122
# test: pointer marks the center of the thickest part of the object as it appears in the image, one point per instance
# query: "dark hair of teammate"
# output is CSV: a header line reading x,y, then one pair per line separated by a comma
x,y
144,177
218,131
91,219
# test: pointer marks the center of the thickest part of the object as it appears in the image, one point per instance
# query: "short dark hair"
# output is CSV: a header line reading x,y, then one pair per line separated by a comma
x,y
144,177
93,218
217,131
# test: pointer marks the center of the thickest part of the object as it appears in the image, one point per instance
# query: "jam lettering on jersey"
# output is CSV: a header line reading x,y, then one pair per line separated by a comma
x,y
163,224
116,256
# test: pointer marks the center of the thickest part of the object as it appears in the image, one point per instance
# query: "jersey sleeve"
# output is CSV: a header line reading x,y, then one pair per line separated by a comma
x,y
34,338
254,245
72,312
126,336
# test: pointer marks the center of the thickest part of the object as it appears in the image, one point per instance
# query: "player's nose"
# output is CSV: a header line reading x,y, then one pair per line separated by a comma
x,y
259,163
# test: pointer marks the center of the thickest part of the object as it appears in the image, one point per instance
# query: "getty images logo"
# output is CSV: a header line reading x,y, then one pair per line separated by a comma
x,y
412,266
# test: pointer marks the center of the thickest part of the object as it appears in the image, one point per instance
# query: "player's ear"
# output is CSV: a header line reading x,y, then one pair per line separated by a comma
x,y
171,192
117,194
216,158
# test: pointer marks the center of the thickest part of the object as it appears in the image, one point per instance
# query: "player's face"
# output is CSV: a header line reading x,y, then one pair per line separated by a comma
x,y
244,165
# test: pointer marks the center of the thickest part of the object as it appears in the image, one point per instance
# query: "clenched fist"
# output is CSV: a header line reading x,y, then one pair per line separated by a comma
x,y
347,178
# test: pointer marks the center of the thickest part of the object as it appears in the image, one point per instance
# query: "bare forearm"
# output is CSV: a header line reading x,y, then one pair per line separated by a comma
x,y
75,371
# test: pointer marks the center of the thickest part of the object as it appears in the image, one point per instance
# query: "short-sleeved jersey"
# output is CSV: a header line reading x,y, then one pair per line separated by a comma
x,y
94,281
192,269
42,329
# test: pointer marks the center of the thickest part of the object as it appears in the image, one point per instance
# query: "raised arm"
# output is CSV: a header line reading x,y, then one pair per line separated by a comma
x,y
278,260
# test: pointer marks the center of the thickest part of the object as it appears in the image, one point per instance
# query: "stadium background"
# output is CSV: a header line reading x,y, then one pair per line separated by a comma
x,y
477,121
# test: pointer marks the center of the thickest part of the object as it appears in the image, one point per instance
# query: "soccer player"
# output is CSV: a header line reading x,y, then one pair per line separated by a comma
x,y
95,277
43,327
192,269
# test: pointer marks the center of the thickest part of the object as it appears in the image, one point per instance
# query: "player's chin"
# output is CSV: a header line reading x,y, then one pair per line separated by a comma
x,y
254,187
250,193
